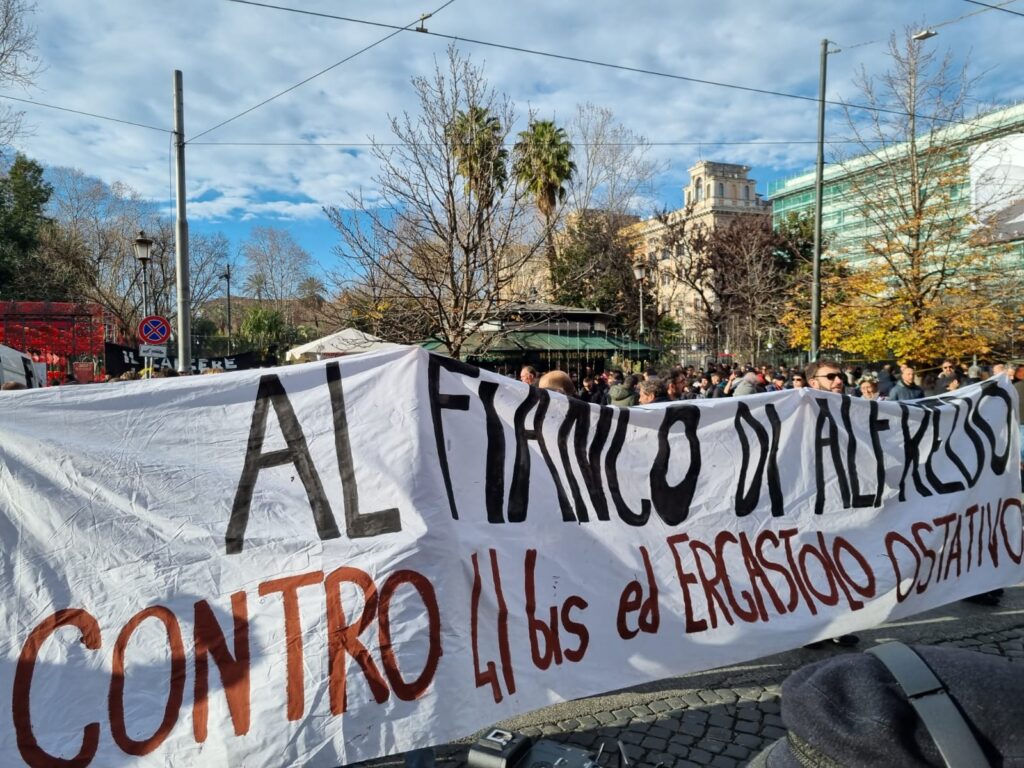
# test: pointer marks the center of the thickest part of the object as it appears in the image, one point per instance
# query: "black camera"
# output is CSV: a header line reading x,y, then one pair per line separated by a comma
x,y
504,749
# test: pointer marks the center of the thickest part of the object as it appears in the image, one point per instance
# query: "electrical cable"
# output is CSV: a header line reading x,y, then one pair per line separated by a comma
x,y
958,19
87,114
995,7
370,145
321,72
608,65
986,7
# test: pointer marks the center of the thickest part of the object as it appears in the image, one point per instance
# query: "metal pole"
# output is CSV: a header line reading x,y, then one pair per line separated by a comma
x,y
819,172
640,282
181,235
145,288
227,275
145,306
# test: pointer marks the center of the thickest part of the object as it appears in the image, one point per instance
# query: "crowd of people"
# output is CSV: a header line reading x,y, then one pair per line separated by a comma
x,y
886,382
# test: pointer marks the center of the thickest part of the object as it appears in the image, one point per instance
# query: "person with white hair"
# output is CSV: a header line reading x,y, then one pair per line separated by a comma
x,y
747,384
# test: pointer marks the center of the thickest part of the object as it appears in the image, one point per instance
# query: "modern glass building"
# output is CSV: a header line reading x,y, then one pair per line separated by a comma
x,y
980,161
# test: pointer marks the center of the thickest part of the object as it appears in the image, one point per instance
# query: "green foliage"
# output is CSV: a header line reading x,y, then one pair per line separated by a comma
x,y
797,229
593,268
265,328
206,338
23,198
477,143
543,163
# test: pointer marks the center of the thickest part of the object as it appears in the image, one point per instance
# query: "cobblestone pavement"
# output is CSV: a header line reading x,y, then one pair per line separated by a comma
x,y
723,717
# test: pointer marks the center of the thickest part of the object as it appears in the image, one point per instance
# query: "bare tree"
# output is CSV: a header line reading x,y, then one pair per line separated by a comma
x,y
92,240
733,278
695,273
97,226
430,254
313,299
613,177
934,261
613,170
276,267
207,255
18,61
751,263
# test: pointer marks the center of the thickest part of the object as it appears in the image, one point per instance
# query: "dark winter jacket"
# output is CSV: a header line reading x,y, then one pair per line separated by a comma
x,y
901,391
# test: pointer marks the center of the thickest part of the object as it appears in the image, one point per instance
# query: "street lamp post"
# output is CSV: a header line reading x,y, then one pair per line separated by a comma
x,y
819,174
143,246
226,275
640,272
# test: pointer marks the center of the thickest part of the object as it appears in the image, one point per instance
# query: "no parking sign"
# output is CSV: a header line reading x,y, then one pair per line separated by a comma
x,y
154,330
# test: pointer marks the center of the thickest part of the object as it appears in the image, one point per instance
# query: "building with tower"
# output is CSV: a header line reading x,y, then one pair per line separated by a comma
x,y
717,194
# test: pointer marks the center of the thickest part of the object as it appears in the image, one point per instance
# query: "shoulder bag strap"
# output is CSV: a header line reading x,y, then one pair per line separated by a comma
x,y
928,696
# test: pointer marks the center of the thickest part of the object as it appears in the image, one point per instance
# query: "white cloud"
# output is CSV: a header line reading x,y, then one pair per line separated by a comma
x,y
116,58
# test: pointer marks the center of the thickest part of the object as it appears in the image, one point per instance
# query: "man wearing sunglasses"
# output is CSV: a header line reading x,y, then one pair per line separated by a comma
x,y
825,375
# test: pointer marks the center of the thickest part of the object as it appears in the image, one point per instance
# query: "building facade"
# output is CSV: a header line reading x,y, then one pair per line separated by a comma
x,y
716,195
981,162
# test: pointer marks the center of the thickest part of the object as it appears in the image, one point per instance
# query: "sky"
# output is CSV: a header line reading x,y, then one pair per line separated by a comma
x,y
115,59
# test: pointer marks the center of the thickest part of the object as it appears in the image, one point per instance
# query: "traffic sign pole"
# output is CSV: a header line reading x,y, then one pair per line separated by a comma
x,y
153,331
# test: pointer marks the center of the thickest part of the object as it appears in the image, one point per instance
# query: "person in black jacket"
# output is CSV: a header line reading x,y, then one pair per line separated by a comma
x,y
591,393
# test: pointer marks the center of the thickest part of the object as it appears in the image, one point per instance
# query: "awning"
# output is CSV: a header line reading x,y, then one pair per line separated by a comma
x,y
542,341
345,342
625,345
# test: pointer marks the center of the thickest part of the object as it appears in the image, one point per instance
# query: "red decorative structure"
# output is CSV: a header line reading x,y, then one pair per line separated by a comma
x,y
55,333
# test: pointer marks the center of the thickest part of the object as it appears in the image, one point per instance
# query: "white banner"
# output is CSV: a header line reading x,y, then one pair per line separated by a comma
x,y
320,564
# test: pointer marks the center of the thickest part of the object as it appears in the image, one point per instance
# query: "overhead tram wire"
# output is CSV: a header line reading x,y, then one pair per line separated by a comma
x,y
367,145
607,65
985,7
86,114
941,24
336,64
995,7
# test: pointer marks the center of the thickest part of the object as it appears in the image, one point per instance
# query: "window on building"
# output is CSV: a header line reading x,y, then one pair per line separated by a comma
x,y
698,188
721,189
746,193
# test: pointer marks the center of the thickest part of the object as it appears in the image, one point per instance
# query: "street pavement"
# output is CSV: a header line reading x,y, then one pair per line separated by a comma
x,y
723,717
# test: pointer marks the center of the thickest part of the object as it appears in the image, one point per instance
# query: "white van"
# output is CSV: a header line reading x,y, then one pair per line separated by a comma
x,y
17,366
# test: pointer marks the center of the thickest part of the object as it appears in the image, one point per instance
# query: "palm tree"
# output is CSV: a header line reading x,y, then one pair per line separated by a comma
x,y
263,328
543,163
312,296
255,284
477,143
